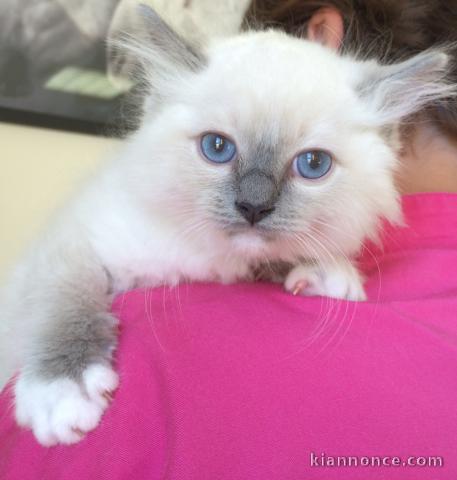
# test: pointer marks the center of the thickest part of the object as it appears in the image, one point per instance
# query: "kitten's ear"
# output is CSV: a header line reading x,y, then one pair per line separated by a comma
x,y
154,48
166,47
399,90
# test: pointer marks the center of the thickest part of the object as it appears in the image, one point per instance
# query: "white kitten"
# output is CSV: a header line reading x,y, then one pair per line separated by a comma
x,y
261,149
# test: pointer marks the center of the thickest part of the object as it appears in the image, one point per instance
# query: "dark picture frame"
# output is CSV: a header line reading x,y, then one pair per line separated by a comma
x,y
53,66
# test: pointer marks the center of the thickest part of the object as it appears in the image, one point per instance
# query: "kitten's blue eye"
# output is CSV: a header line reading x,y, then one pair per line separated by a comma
x,y
217,148
313,164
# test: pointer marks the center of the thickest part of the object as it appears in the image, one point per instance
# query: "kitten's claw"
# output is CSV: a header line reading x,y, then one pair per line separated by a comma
x,y
299,287
338,280
63,410
108,395
78,432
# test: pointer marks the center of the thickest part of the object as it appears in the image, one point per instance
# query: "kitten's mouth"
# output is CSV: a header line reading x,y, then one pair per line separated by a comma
x,y
248,231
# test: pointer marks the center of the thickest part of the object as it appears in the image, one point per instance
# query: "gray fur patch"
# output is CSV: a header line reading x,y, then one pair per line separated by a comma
x,y
257,188
263,155
74,342
259,178
258,174
75,328
169,42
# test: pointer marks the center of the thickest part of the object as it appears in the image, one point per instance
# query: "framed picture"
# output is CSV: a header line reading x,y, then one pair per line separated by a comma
x,y
53,66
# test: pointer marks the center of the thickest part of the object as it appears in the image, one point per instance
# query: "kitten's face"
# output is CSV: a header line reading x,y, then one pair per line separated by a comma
x,y
267,150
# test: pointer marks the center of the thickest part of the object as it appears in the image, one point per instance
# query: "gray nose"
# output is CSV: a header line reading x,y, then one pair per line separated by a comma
x,y
256,196
253,213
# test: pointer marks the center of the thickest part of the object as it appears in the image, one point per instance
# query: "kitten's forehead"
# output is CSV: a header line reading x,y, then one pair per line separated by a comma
x,y
276,64
274,84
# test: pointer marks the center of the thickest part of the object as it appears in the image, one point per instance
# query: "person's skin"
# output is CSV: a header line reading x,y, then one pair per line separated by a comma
x,y
429,158
429,162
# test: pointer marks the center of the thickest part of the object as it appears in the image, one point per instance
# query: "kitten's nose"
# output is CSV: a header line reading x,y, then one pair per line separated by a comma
x,y
256,196
253,213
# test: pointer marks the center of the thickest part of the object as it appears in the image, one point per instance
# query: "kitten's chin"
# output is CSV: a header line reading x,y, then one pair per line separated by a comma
x,y
250,243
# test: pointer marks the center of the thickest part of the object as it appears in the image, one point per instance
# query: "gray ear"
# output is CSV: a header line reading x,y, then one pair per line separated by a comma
x,y
168,42
141,38
398,90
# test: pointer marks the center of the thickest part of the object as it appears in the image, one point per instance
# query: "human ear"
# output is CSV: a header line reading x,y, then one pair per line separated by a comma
x,y
326,27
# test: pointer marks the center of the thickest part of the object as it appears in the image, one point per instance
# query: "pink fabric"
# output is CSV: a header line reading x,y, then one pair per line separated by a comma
x,y
245,381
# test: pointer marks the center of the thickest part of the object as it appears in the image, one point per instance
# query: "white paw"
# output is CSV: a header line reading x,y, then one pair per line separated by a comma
x,y
340,280
63,410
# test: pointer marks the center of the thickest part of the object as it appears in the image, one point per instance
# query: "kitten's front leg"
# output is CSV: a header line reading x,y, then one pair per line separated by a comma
x,y
337,279
67,380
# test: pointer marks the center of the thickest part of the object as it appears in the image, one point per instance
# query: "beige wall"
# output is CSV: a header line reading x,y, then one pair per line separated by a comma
x,y
38,169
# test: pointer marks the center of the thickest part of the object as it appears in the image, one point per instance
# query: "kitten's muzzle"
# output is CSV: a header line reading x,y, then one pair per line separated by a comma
x,y
256,196
253,213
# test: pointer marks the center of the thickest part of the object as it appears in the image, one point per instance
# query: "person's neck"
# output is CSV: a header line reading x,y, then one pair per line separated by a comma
x,y
429,162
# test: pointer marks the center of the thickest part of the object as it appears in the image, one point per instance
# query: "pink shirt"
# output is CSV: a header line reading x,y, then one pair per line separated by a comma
x,y
248,382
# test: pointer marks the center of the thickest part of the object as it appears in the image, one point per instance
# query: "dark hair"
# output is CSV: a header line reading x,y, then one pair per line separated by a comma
x,y
389,30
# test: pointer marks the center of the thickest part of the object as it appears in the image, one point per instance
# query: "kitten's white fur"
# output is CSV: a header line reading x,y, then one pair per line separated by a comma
x,y
145,220
60,411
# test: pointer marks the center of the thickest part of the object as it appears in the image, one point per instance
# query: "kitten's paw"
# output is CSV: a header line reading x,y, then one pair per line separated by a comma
x,y
63,410
340,280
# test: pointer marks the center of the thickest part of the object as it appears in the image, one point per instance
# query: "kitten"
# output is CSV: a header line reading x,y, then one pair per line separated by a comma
x,y
260,149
